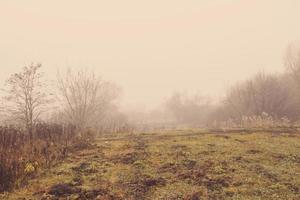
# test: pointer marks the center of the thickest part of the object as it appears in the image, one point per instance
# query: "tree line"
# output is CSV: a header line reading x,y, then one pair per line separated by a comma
x,y
79,98
263,97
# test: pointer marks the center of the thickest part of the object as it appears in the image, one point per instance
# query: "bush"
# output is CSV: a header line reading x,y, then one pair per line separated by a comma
x,y
21,158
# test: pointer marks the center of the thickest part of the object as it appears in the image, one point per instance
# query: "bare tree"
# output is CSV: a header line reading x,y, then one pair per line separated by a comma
x,y
26,97
292,61
192,110
261,94
84,97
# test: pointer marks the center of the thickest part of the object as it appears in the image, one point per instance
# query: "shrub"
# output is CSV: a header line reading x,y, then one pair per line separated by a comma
x,y
20,159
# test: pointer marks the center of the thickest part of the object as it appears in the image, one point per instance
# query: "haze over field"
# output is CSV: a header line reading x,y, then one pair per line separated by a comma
x,y
161,99
150,48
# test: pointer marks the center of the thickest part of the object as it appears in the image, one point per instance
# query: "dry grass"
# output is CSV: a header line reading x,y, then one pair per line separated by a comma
x,y
186,164
20,158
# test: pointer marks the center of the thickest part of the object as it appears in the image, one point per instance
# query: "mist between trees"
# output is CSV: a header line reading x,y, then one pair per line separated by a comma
x,y
265,100
86,101
42,120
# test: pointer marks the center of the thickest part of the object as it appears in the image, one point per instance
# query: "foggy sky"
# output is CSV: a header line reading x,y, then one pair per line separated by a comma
x,y
150,48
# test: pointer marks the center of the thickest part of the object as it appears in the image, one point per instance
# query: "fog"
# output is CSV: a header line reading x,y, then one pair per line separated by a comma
x,y
153,48
156,99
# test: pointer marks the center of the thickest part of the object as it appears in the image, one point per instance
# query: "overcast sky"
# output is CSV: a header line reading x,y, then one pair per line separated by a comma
x,y
150,48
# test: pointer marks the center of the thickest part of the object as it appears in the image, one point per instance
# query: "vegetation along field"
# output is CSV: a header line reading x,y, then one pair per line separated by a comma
x,y
182,164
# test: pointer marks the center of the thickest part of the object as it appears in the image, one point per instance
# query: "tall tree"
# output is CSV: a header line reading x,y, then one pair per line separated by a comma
x,y
26,97
84,97
292,61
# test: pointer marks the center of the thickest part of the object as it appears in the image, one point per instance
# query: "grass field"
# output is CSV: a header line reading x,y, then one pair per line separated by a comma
x,y
183,164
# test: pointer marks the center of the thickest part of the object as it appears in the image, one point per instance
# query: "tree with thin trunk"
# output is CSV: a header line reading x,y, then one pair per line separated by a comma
x,y
26,97
292,61
84,97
